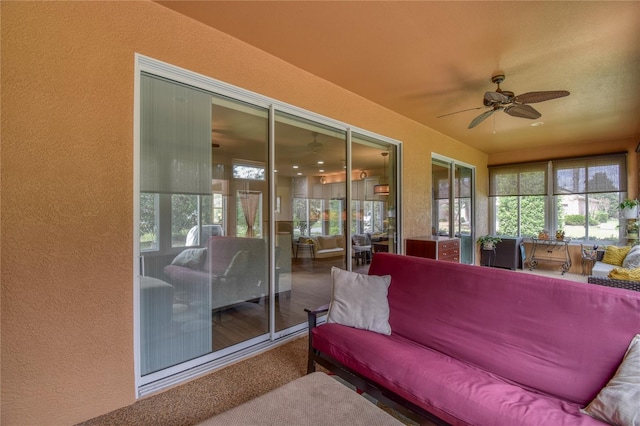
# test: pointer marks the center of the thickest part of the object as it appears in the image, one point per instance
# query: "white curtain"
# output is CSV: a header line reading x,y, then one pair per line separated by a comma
x,y
249,200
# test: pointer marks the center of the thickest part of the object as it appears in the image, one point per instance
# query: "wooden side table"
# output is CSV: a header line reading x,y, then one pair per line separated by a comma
x,y
548,246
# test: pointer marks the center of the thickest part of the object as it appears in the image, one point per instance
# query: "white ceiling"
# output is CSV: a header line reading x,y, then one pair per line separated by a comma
x,y
423,59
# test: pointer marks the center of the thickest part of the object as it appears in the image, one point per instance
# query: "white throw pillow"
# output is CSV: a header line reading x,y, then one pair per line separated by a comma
x,y
191,258
359,300
618,403
632,259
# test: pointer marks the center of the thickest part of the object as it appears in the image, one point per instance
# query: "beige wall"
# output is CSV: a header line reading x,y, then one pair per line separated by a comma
x,y
67,186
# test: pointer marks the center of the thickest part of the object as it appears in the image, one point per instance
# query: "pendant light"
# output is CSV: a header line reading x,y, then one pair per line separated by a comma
x,y
383,187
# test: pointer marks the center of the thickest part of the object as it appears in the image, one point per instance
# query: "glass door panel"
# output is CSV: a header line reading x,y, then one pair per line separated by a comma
x,y
373,200
203,225
452,204
310,165
463,212
440,206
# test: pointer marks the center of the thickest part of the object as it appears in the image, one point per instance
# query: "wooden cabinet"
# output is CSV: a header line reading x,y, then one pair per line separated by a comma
x,y
440,248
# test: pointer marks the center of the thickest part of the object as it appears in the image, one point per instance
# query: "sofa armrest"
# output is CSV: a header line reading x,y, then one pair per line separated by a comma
x,y
312,317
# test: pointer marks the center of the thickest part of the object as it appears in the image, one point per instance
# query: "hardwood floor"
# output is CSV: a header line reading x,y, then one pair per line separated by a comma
x,y
310,287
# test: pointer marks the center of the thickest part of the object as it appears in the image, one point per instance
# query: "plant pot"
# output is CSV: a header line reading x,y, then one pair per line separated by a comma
x,y
488,246
632,235
630,212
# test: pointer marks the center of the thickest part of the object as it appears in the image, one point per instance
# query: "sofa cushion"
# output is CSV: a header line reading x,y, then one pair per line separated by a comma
x,y
191,258
615,255
619,402
625,274
632,259
327,242
453,390
601,269
359,301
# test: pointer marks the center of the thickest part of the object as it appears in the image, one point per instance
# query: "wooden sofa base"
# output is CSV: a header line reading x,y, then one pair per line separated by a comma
x,y
363,384
380,393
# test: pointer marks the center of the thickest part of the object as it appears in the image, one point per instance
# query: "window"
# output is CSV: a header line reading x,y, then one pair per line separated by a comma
x,y
579,196
246,171
149,221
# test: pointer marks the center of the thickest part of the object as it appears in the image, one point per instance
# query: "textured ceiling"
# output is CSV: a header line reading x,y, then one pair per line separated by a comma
x,y
424,59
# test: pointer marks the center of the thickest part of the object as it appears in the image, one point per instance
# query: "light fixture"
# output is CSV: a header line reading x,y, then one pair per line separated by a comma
x,y
383,187
363,174
323,180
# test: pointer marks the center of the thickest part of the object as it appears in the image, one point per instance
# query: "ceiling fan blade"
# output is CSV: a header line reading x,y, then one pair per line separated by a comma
x,y
522,111
457,112
479,119
533,97
491,98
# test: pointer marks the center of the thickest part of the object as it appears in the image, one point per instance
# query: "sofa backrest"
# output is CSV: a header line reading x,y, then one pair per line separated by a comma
x,y
222,250
556,336
329,241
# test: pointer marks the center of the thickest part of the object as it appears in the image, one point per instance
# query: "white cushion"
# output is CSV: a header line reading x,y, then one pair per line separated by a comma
x,y
332,250
632,259
601,269
618,403
359,300
191,258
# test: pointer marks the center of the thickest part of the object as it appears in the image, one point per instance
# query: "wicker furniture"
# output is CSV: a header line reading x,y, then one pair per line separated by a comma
x,y
610,282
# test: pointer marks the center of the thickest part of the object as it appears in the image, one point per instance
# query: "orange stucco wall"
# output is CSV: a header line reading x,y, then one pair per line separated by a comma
x,y
66,199
67,186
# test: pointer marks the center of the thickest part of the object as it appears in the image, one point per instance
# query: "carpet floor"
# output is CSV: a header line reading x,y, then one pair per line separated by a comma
x,y
199,399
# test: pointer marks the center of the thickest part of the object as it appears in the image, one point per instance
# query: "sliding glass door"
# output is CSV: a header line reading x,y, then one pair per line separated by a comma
x,y
243,207
452,203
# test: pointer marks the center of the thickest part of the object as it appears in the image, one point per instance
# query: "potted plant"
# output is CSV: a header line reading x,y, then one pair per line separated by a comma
x,y
632,230
559,235
488,242
629,208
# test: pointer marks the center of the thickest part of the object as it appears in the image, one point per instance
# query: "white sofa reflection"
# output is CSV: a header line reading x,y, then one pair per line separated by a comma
x,y
229,270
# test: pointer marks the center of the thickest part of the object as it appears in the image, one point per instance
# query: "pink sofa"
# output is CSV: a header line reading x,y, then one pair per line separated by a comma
x,y
484,346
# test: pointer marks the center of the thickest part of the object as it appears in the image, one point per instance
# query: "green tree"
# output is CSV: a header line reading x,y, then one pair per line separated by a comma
x,y
531,215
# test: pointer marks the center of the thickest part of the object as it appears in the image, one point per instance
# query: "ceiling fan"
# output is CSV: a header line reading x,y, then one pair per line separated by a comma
x,y
507,101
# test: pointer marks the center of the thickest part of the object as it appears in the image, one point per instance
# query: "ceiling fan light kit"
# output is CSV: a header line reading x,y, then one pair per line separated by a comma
x,y
507,101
